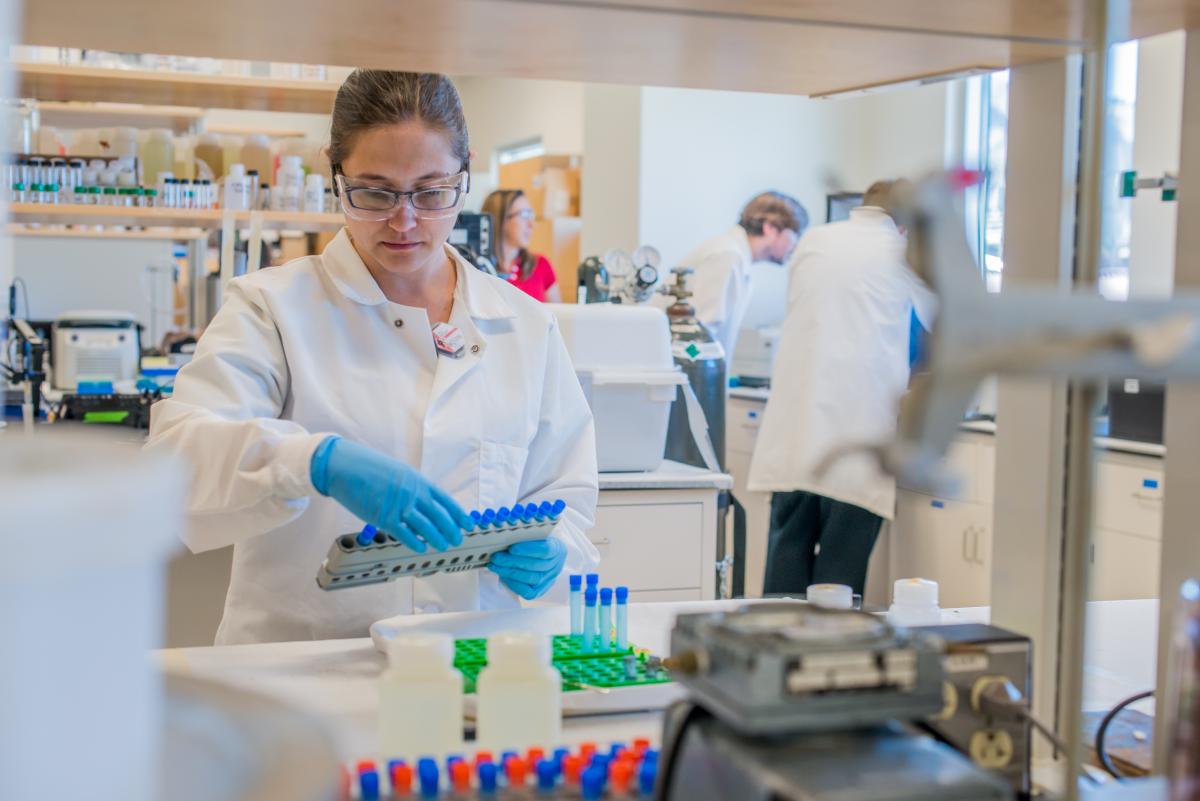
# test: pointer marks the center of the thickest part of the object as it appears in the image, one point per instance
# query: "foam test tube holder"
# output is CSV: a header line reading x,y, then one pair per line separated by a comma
x,y
589,620
606,598
622,618
576,605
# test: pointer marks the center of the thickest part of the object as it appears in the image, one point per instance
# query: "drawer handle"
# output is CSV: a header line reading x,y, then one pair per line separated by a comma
x,y
1141,496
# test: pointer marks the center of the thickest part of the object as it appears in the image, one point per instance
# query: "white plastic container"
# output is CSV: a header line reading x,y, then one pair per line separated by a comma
x,y
314,193
158,156
914,603
289,192
236,195
77,681
519,694
622,355
420,698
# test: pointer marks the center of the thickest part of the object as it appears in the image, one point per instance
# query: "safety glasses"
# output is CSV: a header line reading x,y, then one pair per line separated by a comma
x,y
377,203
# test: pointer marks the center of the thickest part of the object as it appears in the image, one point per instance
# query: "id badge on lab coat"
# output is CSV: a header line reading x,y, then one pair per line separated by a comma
x,y
448,340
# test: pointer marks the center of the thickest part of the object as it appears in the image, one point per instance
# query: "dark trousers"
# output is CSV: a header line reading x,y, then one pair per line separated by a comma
x,y
817,540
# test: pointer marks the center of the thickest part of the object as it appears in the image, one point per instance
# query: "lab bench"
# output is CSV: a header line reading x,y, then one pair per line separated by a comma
x,y
336,680
948,538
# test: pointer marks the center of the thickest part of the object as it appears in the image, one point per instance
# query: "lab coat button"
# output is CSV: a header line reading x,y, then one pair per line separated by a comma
x,y
399,323
474,349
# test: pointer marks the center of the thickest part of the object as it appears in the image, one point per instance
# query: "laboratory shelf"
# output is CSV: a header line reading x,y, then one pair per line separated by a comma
x,y
78,215
65,83
59,114
169,234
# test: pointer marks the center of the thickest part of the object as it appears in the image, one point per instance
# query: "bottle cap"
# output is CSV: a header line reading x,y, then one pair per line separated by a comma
x,y
915,591
593,783
419,651
830,596
576,581
558,508
482,756
622,595
460,776
517,771
647,775
364,765
237,170
427,774
593,579
401,776
368,785
589,596
572,767
606,596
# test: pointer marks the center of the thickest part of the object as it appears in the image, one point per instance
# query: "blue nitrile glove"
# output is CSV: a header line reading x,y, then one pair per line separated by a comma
x,y
530,568
388,494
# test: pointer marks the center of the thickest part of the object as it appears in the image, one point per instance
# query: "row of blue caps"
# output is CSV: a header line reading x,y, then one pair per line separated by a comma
x,y
593,590
592,780
493,518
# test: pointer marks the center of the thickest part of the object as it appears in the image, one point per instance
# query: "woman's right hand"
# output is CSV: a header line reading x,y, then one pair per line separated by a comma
x,y
388,494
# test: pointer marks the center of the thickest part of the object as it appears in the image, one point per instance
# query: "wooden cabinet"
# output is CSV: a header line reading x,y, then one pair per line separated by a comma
x,y
558,240
947,541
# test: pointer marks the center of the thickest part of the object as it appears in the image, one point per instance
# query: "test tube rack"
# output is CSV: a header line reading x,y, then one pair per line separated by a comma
x,y
581,670
373,557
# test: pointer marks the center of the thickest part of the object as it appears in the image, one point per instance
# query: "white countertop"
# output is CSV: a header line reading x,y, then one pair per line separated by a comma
x,y
669,475
750,393
336,679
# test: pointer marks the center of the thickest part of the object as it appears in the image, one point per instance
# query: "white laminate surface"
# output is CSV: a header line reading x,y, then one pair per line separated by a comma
x,y
670,475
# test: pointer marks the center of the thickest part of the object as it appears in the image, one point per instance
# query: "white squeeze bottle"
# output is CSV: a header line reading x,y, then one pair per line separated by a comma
x,y
237,195
420,698
289,186
914,603
519,694
314,193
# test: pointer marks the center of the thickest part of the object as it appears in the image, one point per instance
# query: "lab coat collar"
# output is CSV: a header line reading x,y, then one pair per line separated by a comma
x,y
354,280
872,215
741,240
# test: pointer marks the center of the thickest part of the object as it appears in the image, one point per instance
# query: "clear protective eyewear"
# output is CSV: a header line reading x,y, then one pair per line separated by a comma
x,y
377,203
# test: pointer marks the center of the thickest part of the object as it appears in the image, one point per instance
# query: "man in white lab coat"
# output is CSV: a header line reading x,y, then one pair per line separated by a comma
x,y
841,368
769,227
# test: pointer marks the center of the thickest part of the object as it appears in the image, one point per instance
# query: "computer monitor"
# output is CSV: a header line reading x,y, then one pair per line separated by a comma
x,y
838,205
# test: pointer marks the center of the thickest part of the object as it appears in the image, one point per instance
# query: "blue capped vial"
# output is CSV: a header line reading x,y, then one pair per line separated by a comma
x,y
547,775
366,536
647,775
559,755
545,509
502,516
489,517
557,509
592,782
427,775
368,785
487,778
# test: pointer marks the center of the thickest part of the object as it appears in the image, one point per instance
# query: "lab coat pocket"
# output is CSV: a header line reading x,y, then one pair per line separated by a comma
x,y
501,468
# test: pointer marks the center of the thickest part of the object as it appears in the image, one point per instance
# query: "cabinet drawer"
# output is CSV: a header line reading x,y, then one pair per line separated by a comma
x,y
743,418
650,546
1124,566
1129,498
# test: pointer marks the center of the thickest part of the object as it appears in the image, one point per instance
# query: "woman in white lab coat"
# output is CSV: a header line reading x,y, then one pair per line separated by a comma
x,y
317,399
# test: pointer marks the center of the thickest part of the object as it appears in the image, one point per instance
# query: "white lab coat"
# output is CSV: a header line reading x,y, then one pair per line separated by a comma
x,y
721,284
842,362
312,348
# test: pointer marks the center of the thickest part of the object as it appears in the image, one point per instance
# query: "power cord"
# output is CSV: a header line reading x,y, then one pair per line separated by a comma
x,y
1102,753
1000,698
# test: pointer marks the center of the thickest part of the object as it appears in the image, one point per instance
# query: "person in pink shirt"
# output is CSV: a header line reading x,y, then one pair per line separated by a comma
x,y
512,217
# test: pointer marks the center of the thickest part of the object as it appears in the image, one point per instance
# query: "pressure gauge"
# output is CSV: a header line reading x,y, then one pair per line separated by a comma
x,y
618,263
647,256
647,276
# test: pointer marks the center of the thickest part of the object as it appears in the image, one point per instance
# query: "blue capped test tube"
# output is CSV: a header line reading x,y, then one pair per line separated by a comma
x,y
476,520
589,620
428,775
502,516
557,509
489,517
606,596
366,536
487,779
622,618
576,597
547,776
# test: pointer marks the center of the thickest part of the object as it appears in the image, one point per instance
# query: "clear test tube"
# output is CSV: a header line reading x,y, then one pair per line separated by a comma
x,y
75,169
18,192
23,172
37,170
51,193
109,196
59,173
94,196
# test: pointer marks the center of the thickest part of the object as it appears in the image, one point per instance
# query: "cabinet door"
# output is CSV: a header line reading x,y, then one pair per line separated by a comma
x,y
946,541
1129,497
650,546
1124,566
743,417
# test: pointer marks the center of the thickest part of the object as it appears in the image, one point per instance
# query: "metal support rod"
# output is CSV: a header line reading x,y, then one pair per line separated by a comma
x,y
1101,20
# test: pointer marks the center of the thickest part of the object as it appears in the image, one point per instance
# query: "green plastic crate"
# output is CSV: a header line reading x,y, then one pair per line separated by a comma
x,y
565,647
581,674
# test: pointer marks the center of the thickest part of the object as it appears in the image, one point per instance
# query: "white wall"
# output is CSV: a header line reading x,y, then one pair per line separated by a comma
x,y
1156,145
610,201
506,111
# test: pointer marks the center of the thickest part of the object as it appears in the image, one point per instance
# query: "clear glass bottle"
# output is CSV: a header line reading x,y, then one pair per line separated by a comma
x,y
95,197
110,196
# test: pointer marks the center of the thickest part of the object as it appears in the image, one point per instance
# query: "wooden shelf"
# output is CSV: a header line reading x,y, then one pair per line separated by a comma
x,y
102,115
794,46
59,83
169,234
206,219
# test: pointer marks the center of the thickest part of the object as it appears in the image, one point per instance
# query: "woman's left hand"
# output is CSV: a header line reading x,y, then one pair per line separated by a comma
x,y
530,568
